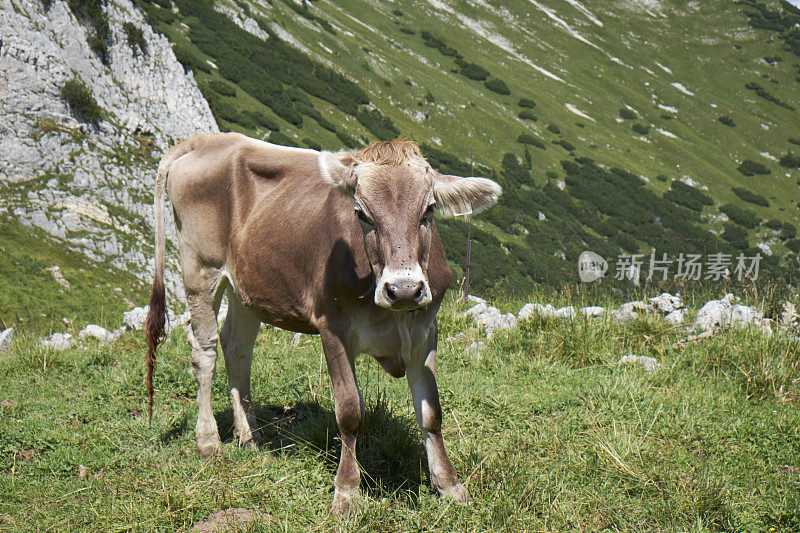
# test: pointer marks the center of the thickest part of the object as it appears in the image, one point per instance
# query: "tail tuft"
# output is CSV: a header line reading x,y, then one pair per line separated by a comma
x,y
154,327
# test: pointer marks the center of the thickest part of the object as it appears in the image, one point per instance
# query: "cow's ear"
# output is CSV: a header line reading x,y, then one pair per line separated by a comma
x,y
338,170
461,196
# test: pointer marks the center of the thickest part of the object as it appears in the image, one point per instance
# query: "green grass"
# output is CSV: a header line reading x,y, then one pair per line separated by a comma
x,y
32,301
549,433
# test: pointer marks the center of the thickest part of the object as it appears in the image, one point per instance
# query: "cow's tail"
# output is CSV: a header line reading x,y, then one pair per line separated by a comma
x,y
154,325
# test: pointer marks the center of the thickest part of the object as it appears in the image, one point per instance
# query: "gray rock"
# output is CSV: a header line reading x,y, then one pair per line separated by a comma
x,y
676,317
666,303
648,363
593,311
789,318
134,319
96,332
726,312
58,341
6,339
491,318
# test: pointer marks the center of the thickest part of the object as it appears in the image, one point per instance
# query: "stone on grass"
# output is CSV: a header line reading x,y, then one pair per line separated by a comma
x,y
491,318
789,318
666,303
593,311
676,317
648,363
96,332
58,341
5,339
134,319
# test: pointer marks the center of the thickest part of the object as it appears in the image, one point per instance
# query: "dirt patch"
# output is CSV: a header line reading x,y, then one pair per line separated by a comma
x,y
237,519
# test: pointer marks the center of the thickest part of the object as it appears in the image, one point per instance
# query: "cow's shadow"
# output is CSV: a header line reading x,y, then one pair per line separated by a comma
x,y
389,450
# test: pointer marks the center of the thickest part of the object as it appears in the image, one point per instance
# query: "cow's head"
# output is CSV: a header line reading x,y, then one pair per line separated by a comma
x,y
395,193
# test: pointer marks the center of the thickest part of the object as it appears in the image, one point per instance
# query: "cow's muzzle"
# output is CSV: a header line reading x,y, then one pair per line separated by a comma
x,y
402,293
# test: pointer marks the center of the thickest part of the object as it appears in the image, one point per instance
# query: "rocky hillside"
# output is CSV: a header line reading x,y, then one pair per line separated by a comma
x,y
618,127
87,180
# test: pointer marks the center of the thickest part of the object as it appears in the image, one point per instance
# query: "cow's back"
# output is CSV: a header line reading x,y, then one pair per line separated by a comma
x,y
263,214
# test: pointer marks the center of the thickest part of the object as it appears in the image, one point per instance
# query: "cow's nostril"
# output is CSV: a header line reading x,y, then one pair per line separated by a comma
x,y
418,294
390,293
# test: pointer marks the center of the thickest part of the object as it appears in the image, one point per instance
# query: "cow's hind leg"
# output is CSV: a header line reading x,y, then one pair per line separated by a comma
x,y
204,287
421,375
349,409
238,337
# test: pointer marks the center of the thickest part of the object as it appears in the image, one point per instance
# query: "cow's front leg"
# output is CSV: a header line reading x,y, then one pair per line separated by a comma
x,y
349,409
421,375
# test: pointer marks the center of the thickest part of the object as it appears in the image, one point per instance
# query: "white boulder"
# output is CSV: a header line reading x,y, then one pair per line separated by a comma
x,y
593,311
96,332
6,338
676,317
666,303
491,318
58,341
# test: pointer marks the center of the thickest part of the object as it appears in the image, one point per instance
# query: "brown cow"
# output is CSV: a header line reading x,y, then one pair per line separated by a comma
x,y
301,239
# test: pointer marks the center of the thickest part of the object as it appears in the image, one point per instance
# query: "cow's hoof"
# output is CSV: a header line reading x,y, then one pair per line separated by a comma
x,y
456,491
344,501
209,448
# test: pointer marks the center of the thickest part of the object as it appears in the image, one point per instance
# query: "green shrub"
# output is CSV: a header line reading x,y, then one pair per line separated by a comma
x,y
773,224
223,110
628,114
380,126
135,37
727,120
790,160
794,245
641,129
473,72
772,59
407,31
47,4
794,141
397,12
751,168
740,215
80,99
527,114
527,138
667,116
346,139
220,87
750,197
788,231
762,93
311,144
661,177
526,102
552,128
189,59
260,119
498,86
566,145
277,137
687,196
91,12
734,234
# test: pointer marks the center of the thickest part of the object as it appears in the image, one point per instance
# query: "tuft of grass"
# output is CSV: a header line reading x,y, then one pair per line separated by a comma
x,y
79,97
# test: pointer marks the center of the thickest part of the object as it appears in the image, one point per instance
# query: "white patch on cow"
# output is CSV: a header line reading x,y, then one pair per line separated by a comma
x,y
398,276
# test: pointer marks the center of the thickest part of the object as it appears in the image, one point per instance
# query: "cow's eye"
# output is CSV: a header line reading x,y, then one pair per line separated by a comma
x,y
363,217
428,214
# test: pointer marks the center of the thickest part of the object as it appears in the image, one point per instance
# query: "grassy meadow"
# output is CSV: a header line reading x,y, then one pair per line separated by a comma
x,y
545,428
